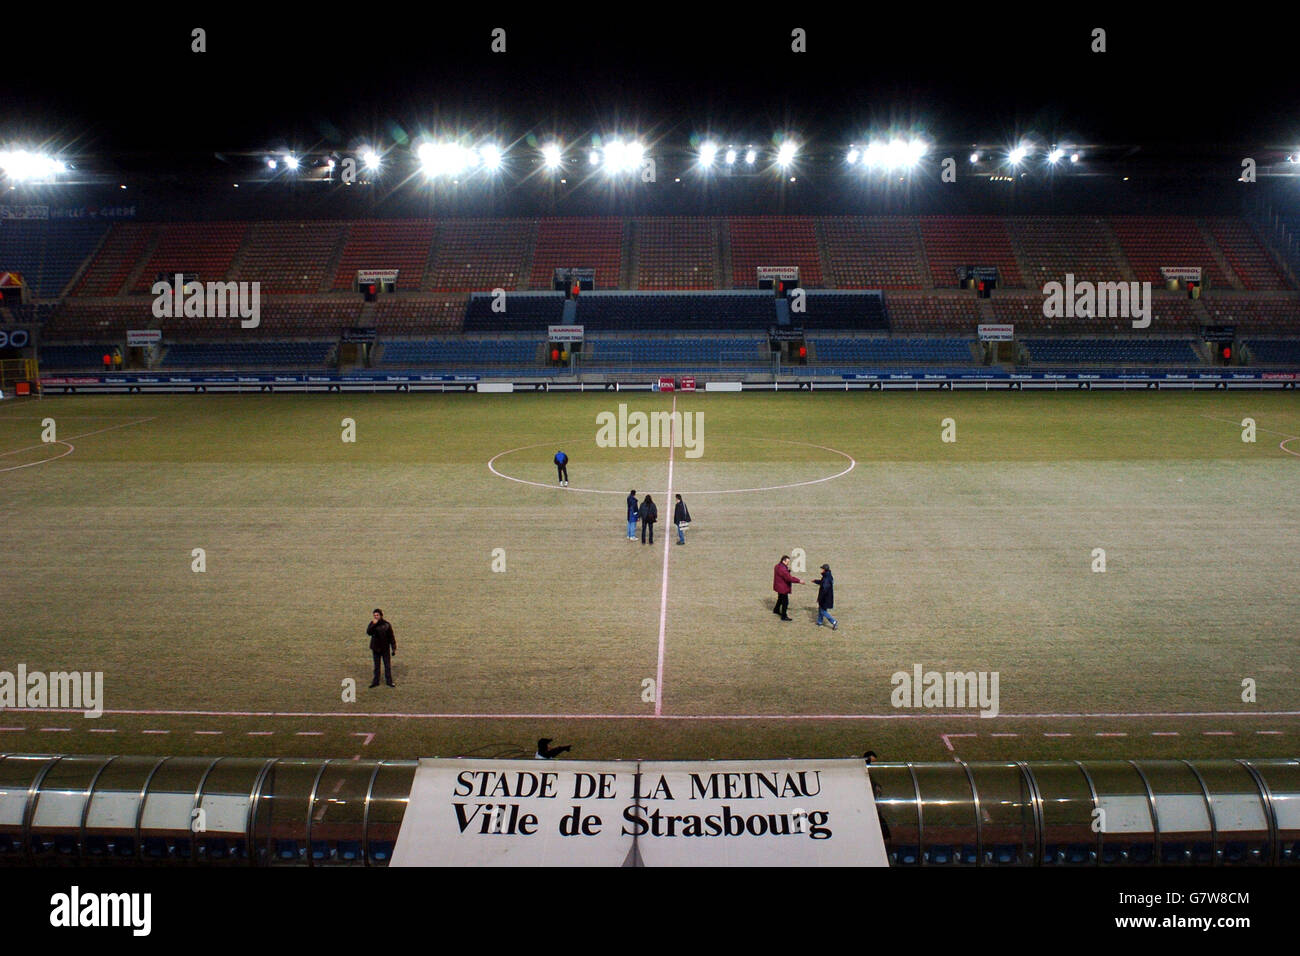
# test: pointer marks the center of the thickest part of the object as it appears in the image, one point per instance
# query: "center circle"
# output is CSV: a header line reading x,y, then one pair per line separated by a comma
x,y
724,491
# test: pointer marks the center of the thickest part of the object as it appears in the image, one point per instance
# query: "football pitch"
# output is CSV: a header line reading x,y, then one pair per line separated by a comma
x,y
521,610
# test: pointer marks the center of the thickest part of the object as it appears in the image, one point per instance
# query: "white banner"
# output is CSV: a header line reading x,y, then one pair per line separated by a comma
x,y
1182,273
564,333
615,813
136,337
367,276
778,272
997,333
24,212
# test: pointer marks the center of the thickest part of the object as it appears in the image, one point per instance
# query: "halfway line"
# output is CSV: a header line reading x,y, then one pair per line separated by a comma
x,y
667,539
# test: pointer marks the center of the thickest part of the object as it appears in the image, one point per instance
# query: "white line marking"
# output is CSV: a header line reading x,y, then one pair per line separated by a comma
x,y
725,491
1165,733
369,737
1045,734
1219,733
1282,445
260,733
1112,735
209,732
948,742
667,540
103,730
308,733
68,442
56,730
155,731
398,715
12,729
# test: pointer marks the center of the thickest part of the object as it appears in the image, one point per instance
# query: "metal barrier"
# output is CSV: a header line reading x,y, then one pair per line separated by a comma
x,y
239,811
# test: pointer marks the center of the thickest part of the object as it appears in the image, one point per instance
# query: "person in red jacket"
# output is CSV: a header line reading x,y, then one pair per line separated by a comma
x,y
781,581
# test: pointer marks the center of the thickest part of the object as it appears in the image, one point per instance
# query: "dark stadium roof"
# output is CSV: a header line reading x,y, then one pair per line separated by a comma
x,y
124,98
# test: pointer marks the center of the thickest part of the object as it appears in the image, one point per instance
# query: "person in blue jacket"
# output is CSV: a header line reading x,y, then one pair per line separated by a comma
x,y
826,597
633,512
562,468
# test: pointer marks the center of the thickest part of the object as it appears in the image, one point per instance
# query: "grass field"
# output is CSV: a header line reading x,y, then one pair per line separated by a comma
x,y
973,555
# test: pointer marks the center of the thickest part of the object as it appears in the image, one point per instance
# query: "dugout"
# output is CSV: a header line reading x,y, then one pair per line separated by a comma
x,y
237,811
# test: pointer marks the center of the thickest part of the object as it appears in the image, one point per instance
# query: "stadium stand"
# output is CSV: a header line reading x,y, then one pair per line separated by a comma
x,y
117,257
1248,258
911,312
679,352
423,314
1143,351
1274,351
403,245
1150,242
524,312
1254,313
893,351
219,355
72,357
773,241
500,358
954,241
1170,312
289,256
202,249
675,311
862,311
80,320
873,253
47,253
478,255
1051,247
586,243
675,254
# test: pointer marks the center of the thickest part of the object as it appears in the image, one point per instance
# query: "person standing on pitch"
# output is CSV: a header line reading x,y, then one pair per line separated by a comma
x,y
681,518
633,512
649,515
383,644
562,468
781,581
826,597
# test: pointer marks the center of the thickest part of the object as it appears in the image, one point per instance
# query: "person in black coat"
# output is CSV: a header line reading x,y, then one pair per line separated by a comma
x,y
826,597
649,515
383,644
681,518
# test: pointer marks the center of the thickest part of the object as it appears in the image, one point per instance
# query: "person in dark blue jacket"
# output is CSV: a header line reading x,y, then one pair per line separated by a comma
x,y
562,468
826,597
633,512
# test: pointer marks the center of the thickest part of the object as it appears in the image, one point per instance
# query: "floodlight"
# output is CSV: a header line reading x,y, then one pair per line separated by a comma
x,y
708,153
750,156
551,155
491,156
785,154
730,158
